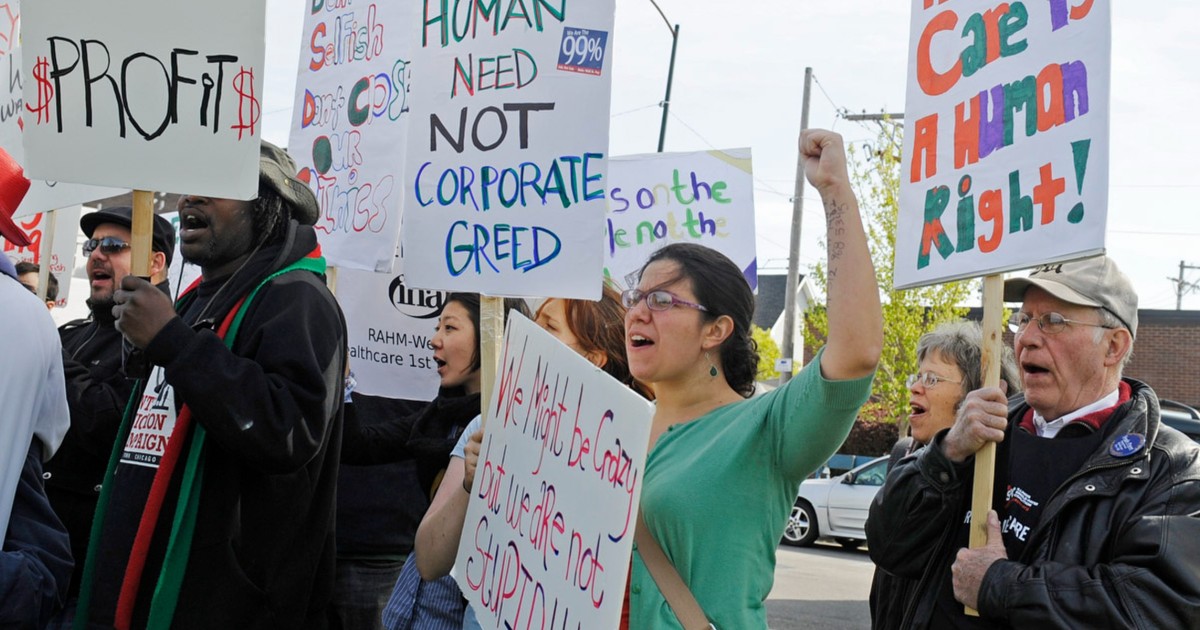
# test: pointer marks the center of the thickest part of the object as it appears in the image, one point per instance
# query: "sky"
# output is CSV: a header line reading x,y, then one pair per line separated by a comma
x,y
738,82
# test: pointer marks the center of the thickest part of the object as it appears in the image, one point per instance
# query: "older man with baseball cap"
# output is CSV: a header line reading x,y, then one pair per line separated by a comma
x,y
218,505
1096,502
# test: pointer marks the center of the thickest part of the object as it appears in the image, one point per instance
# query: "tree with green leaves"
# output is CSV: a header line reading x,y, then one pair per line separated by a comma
x,y
875,173
768,353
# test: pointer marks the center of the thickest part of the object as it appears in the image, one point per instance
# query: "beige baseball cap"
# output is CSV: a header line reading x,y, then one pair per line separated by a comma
x,y
1089,282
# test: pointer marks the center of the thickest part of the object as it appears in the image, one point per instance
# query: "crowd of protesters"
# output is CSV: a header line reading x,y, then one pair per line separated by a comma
x,y
206,463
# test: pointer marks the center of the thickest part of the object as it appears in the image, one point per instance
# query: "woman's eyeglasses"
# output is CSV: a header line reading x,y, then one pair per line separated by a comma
x,y
659,300
109,245
928,379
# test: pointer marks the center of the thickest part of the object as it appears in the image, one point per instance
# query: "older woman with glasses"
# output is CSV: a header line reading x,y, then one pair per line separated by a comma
x,y
722,470
948,366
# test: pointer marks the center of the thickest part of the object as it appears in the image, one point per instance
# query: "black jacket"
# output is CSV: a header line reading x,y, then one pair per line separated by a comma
x,y
1116,546
263,553
97,392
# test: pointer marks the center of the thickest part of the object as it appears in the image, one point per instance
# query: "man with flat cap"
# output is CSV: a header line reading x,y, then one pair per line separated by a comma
x,y
218,506
97,386
1095,507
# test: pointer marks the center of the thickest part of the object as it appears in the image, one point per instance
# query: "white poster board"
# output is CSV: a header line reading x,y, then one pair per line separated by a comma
x,y
42,195
349,124
702,197
549,529
1005,159
62,251
145,94
389,331
507,157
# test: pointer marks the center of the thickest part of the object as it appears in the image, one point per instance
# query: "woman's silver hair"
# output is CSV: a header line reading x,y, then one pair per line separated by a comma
x,y
961,343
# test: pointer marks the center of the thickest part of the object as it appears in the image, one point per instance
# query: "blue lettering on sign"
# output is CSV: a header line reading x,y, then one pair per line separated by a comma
x,y
476,247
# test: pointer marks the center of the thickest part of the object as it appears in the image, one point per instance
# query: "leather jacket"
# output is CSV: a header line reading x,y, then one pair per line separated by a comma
x,y
1117,545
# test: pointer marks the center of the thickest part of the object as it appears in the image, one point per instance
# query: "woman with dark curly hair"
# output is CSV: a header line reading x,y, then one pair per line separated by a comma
x,y
723,468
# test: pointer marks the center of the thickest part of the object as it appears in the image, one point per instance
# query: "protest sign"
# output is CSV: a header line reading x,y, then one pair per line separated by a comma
x,y
349,124
506,167
1005,160
704,197
144,94
549,528
389,330
42,195
63,248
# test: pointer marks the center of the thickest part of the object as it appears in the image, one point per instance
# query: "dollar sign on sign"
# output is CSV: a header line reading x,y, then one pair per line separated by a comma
x,y
45,91
249,109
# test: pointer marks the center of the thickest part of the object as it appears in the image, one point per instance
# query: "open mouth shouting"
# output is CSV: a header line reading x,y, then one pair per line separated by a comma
x,y
191,224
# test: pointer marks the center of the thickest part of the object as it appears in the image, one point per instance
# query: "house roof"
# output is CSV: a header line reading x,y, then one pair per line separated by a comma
x,y
772,294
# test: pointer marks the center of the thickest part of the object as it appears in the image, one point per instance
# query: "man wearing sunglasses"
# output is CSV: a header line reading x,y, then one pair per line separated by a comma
x,y
97,387
1094,507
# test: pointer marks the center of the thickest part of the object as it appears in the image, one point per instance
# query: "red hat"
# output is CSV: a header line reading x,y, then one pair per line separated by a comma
x,y
13,186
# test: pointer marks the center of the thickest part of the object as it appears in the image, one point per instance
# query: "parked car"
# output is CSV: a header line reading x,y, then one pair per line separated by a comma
x,y
1180,416
836,507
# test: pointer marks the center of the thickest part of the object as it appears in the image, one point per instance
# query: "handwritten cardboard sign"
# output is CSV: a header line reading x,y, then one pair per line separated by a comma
x,y
349,124
389,328
704,197
145,94
1005,159
549,530
42,195
507,157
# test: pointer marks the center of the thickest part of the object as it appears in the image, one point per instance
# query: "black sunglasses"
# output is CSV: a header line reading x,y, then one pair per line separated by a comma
x,y
109,245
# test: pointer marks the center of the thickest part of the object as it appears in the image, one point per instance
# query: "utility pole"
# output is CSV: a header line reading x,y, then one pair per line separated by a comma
x,y
793,276
1183,286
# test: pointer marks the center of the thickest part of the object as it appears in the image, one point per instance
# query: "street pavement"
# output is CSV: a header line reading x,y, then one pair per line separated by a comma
x,y
820,587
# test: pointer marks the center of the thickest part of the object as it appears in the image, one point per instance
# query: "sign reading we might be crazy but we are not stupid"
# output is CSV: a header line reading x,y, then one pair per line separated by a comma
x,y
1005,159
549,529
507,153
144,94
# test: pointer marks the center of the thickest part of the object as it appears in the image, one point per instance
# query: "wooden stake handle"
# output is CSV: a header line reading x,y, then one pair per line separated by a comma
x,y
491,338
985,459
143,233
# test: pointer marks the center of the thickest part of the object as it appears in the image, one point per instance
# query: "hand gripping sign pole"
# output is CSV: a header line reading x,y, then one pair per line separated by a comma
x,y
985,459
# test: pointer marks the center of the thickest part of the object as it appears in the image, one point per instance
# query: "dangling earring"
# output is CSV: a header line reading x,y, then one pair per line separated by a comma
x,y
712,369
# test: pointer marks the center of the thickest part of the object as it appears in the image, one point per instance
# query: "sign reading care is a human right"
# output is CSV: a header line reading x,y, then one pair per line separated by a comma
x,y
549,528
144,94
506,164
1005,160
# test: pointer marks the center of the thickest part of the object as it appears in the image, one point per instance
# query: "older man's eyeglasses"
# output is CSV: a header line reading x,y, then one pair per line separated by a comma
x,y
109,245
658,300
927,379
1049,323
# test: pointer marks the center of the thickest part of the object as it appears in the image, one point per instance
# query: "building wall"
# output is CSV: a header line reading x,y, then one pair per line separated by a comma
x,y
1166,354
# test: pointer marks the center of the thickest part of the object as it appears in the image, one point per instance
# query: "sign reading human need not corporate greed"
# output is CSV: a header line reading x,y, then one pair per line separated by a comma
x,y
506,163
1005,160
145,94
349,124
549,528
704,197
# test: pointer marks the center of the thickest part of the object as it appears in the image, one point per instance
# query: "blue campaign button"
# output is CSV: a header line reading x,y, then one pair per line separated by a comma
x,y
1127,445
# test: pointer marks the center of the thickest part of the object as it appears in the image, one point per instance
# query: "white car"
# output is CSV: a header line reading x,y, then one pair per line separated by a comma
x,y
837,507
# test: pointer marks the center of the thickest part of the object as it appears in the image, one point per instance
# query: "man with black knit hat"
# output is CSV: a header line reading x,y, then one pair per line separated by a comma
x,y
1094,521
97,386
218,507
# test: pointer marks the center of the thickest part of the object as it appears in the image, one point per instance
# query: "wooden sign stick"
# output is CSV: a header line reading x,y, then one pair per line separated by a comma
x,y
985,459
143,233
491,340
46,253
